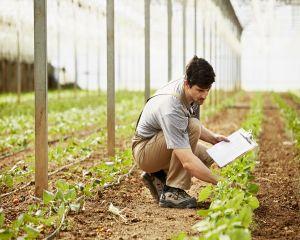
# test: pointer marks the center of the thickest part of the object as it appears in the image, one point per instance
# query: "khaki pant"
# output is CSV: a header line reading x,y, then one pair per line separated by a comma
x,y
152,155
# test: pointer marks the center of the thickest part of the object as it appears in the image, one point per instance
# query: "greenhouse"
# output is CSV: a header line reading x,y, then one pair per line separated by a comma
x,y
150,119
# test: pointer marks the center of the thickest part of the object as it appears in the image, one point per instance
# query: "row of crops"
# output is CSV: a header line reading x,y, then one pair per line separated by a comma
x,y
233,200
69,127
291,116
71,118
66,116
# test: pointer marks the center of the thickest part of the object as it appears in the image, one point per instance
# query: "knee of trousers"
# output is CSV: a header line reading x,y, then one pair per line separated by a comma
x,y
194,128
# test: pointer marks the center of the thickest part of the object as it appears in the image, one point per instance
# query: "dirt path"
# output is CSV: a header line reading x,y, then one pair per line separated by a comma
x,y
278,216
289,100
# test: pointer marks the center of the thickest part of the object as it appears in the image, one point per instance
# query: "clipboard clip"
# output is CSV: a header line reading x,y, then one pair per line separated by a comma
x,y
248,136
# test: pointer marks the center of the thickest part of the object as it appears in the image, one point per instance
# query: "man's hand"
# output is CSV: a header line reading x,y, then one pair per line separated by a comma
x,y
211,137
220,138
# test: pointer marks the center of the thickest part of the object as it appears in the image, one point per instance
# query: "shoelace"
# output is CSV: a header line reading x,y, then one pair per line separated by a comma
x,y
158,184
180,193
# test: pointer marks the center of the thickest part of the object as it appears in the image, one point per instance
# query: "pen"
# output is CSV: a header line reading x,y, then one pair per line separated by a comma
x,y
247,139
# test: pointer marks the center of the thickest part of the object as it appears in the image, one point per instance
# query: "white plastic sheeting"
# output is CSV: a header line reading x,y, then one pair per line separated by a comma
x,y
271,49
83,24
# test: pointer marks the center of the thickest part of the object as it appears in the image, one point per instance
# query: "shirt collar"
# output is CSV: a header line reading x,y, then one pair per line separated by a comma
x,y
184,100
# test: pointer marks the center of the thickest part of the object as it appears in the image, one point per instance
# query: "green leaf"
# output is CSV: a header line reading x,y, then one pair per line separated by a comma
x,y
48,197
70,195
18,222
215,214
240,234
253,188
32,233
2,218
236,201
62,185
29,218
253,202
246,216
59,195
87,190
205,193
180,236
61,210
9,181
217,204
229,211
6,234
202,226
224,237
48,221
203,212
38,213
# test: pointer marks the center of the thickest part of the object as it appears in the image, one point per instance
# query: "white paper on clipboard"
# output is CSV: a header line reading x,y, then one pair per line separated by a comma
x,y
225,152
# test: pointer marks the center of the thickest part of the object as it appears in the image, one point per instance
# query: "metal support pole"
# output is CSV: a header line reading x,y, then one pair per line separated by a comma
x,y
203,36
216,65
147,49
203,52
232,71
169,40
240,72
87,51
226,69
110,23
183,34
40,86
18,67
58,47
75,50
98,56
221,69
210,55
195,26
235,72
19,84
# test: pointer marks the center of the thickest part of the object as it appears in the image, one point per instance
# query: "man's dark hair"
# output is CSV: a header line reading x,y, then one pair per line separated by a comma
x,y
199,72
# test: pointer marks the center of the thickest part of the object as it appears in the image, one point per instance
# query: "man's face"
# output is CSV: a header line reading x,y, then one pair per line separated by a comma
x,y
198,94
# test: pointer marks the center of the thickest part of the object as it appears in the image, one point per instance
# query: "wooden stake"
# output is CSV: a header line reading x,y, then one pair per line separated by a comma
x,y
110,77
147,49
40,85
169,40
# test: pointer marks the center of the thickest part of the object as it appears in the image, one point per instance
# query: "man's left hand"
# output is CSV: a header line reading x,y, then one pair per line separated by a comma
x,y
220,138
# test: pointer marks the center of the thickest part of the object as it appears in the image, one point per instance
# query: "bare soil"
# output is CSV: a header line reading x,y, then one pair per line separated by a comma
x,y
291,102
278,216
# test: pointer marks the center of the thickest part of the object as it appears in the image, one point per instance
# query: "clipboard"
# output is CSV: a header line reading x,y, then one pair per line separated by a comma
x,y
241,141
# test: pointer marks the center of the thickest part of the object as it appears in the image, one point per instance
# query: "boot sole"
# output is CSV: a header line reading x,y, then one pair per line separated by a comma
x,y
168,204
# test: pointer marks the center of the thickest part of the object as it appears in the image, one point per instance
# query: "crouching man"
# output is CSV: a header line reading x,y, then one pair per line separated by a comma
x,y
165,145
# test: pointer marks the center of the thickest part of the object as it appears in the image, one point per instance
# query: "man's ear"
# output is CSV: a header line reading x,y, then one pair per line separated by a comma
x,y
186,83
